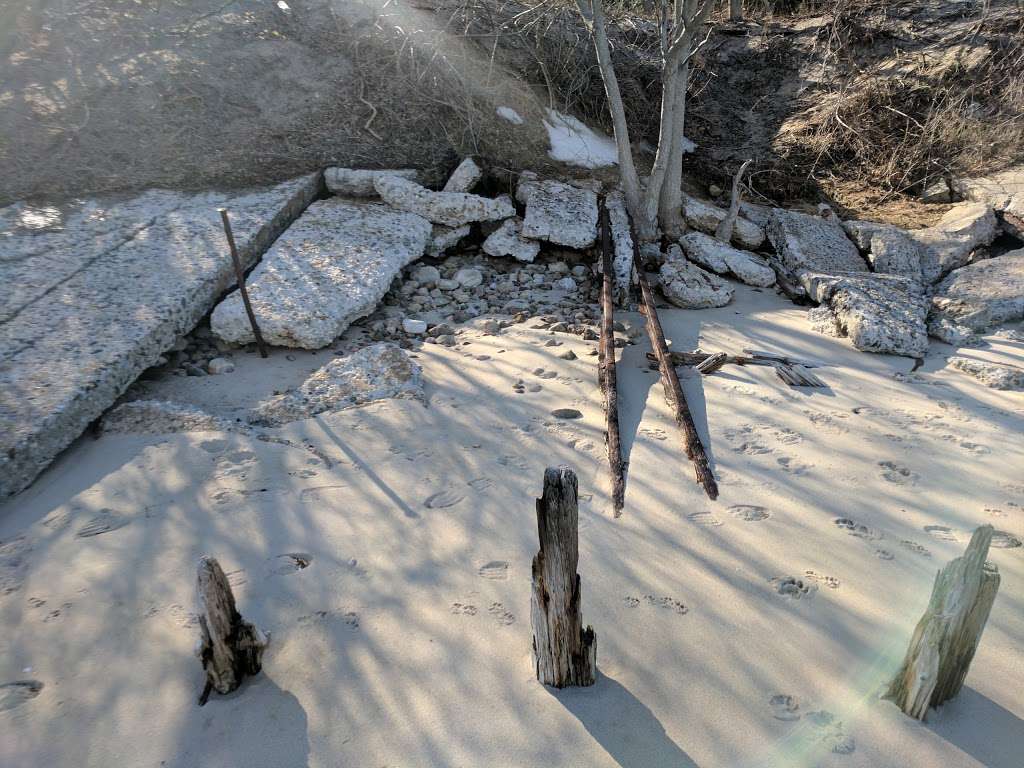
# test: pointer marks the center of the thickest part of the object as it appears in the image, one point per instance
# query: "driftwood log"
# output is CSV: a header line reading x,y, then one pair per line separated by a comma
x,y
230,647
606,375
564,653
947,636
793,372
673,390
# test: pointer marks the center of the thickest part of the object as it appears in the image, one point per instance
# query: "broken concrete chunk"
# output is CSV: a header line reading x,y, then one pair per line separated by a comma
x,y
507,240
442,238
559,213
159,417
889,249
464,177
949,244
105,308
353,182
378,372
453,209
331,267
879,313
975,298
805,242
622,247
994,375
705,217
723,259
688,286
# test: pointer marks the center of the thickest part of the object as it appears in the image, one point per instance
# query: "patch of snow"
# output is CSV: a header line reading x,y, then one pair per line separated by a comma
x,y
507,113
574,143
688,146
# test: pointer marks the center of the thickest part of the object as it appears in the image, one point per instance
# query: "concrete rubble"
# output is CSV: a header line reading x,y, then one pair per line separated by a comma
x,y
992,375
949,244
879,313
888,249
811,243
976,298
352,182
331,267
705,217
159,417
623,269
508,240
465,176
443,238
721,258
74,339
453,209
378,372
688,286
558,213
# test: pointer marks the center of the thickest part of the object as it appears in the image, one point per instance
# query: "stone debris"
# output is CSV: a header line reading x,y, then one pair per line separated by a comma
x,y
705,217
559,213
442,238
688,286
508,240
888,249
357,182
464,177
453,209
414,327
622,248
160,417
350,182
73,344
949,244
975,298
468,277
1004,191
219,365
331,267
811,243
723,259
378,372
879,313
994,375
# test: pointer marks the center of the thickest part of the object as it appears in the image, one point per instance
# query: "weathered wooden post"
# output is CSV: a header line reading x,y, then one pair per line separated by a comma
x,y
563,652
947,636
231,647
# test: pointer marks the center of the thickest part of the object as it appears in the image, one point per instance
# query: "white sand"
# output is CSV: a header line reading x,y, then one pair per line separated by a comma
x,y
406,642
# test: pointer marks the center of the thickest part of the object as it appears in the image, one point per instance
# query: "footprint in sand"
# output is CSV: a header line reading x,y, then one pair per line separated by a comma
x,y
350,618
975,448
916,548
497,570
784,707
896,473
744,440
463,609
750,513
511,461
884,554
16,693
859,530
829,731
703,518
13,563
503,617
57,613
581,444
322,493
214,446
666,603
793,466
654,432
107,520
540,373
291,562
941,532
829,581
794,587
631,602
1004,540
443,499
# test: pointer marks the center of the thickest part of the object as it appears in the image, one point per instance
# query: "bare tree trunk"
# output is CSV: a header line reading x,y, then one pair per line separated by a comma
x,y
230,647
735,10
724,230
670,205
629,178
947,636
563,652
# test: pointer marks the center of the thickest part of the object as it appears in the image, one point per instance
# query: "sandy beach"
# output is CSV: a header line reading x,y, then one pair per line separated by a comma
x,y
386,549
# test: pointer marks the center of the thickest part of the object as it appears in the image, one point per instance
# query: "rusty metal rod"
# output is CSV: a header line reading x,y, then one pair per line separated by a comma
x,y
240,275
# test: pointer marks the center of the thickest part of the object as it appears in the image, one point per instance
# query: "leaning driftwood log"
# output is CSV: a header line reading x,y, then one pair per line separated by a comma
x,y
230,647
606,371
947,636
564,653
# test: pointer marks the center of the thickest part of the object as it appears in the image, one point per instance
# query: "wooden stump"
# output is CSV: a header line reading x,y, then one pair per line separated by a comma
x,y
563,652
947,636
231,647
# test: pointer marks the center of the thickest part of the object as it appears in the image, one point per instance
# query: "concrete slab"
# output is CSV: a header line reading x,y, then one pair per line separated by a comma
x,y
103,289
